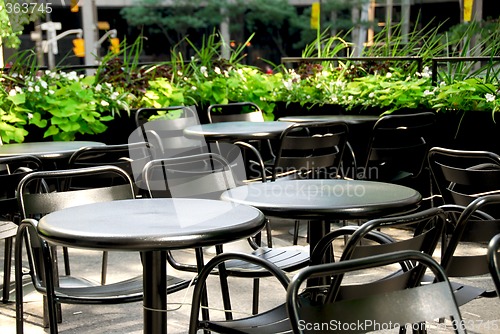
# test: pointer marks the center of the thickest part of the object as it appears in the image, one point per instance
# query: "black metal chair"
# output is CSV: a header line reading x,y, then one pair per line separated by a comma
x,y
397,151
163,129
41,259
13,169
462,176
411,307
130,157
189,177
310,150
494,261
470,224
241,111
329,289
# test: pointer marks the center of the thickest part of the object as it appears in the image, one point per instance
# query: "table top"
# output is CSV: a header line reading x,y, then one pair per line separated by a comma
x,y
349,119
242,130
327,198
150,224
45,150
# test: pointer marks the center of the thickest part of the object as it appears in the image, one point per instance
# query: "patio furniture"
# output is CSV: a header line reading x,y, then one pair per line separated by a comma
x,y
42,259
397,150
470,224
163,129
323,200
494,261
183,177
13,169
130,157
462,176
165,224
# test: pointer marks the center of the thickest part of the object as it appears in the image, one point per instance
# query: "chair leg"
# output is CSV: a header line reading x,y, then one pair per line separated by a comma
x,y
104,269
6,269
296,232
66,261
256,293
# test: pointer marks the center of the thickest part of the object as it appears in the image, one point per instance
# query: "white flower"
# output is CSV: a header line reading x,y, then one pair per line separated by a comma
x,y
98,88
179,73
30,115
30,89
203,69
12,92
194,88
371,95
18,89
490,97
388,75
43,84
318,86
428,92
50,91
114,96
37,89
287,84
217,70
104,103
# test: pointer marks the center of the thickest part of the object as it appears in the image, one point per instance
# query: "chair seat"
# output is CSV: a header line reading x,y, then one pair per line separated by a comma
x,y
7,229
273,321
79,289
286,258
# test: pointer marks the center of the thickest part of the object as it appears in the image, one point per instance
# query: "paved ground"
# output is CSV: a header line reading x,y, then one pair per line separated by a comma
x,y
481,316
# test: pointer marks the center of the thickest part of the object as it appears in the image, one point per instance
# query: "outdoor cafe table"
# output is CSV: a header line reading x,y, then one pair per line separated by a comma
x,y
324,200
46,150
233,131
349,119
151,226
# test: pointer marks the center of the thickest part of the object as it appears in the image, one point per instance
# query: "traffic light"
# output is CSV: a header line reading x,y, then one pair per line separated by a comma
x,y
73,6
114,45
79,47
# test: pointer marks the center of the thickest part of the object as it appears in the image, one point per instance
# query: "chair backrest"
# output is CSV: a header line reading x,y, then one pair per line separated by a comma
x,y
163,129
366,240
494,261
462,176
470,224
129,157
380,310
204,175
13,170
232,112
37,204
398,146
312,149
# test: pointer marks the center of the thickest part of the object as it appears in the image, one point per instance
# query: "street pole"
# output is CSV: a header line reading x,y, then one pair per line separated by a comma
x,y
90,33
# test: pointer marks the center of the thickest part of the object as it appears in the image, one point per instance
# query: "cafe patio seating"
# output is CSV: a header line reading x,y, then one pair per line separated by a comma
x,y
470,224
185,177
462,175
330,290
13,169
310,150
494,261
43,266
397,151
163,129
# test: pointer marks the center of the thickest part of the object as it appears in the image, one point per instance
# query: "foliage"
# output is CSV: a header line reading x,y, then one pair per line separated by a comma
x,y
62,104
12,19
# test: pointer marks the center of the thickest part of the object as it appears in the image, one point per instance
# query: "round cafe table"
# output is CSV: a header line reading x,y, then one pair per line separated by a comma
x,y
46,150
151,226
234,131
349,119
323,200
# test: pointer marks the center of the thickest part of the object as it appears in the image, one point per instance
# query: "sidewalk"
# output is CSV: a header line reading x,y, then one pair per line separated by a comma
x,y
481,316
